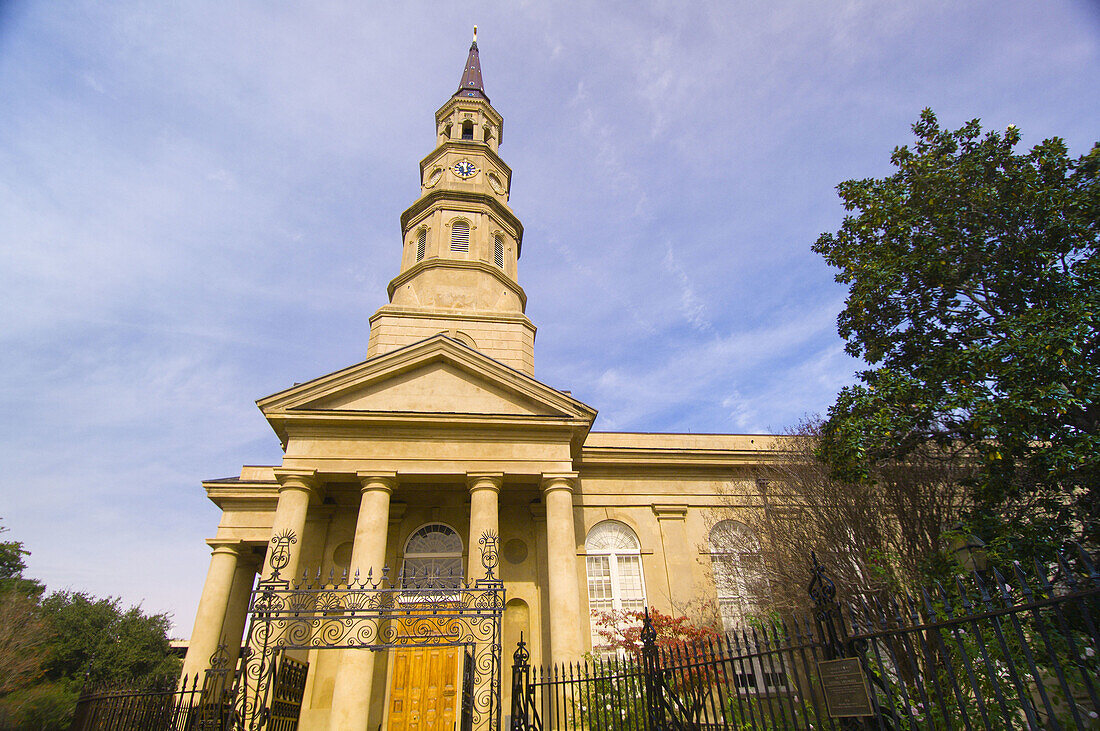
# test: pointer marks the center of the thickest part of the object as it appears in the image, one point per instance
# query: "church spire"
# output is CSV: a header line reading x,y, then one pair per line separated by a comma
x,y
460,241
471,84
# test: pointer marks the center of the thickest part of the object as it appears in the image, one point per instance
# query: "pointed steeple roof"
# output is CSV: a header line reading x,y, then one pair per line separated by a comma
x,y
471,84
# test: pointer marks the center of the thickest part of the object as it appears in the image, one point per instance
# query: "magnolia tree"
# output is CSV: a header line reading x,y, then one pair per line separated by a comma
x,y
974,296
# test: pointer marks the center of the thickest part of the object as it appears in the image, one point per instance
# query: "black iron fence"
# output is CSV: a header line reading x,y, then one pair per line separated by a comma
x,y
994,651
164,704
204,702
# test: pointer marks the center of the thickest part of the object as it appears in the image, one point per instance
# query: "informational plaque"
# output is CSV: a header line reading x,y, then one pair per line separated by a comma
x,y
845,687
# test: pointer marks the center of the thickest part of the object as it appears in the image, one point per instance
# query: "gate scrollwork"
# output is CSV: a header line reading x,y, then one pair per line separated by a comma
x,y
374,613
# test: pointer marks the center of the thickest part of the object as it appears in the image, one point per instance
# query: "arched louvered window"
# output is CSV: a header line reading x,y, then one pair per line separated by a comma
x,y
735,562
498,250
614,564
421,243
460,236
433,558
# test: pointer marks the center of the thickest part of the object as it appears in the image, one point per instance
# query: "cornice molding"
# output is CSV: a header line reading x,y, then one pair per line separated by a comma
x,y
441,263
464,146
398,311
455,101
437,195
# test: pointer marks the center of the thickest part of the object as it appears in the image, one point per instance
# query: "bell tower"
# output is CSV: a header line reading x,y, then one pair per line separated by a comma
x,y
461,241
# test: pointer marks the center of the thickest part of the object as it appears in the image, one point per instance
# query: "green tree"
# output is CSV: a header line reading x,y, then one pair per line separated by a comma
x,y
49,646
97,637
974,295
12,567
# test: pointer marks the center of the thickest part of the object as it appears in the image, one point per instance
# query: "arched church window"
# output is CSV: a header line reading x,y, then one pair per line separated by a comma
x,y
421,243
467,130
433,558
460,236
735,563
498,250
614,563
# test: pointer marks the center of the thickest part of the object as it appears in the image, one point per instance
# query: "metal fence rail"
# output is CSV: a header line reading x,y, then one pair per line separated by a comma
x,y
158,705
1003,650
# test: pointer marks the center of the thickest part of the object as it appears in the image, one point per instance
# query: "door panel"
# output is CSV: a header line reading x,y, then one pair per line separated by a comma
x,y
423,693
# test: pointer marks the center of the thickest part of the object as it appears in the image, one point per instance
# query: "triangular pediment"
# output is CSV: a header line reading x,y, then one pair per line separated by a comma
x,y
435,376
436,387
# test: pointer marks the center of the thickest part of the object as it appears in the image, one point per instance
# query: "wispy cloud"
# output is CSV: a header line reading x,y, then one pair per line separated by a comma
x,y
200,206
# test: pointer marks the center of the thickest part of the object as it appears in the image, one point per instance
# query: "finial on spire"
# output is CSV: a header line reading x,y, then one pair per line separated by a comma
x,y
471,84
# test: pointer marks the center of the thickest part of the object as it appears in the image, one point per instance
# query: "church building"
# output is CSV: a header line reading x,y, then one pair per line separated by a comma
x,y
444,434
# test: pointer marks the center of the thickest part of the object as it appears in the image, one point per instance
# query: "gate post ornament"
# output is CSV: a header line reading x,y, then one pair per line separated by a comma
x,y
280,551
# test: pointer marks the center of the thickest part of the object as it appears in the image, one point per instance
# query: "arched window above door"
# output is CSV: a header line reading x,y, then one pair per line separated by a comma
x,y
433,558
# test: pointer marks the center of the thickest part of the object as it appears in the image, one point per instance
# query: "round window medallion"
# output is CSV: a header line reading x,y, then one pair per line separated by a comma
x,y
342,555
515,551
495,184
433,177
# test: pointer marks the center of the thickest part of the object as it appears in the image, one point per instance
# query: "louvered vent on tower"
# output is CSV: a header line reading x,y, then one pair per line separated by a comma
x,y
460,236
421,243
498,250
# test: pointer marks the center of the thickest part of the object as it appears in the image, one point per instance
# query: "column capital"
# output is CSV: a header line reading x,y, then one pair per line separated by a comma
x,y
558,481
298,479
385,481
221,545
484,481
670,512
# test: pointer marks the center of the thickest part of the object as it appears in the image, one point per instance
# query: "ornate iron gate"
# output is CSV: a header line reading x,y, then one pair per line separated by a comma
x,y
370,613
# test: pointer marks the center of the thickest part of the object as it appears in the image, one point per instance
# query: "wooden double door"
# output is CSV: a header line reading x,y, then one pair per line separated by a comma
x,y
425,689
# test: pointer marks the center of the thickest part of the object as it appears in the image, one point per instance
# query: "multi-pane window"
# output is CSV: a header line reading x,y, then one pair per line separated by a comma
x,y
614,564
738,575
421,243
498,250
460,236
433,558
735,562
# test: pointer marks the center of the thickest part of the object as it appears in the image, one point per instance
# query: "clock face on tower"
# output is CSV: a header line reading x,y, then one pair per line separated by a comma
x,y
464,169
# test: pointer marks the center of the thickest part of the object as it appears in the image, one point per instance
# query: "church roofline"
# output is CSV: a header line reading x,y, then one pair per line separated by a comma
x,y
282,402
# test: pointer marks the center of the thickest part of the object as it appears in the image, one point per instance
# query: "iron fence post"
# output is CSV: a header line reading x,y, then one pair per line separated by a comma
x,y
834,637
654,679
521,677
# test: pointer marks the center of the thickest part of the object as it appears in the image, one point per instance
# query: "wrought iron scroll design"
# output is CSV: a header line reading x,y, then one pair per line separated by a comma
x,y
826,612
372,612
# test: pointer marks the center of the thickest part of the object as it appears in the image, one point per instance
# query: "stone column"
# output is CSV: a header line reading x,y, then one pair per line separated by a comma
x,y
212,605
297,488
352,689
236,613
484,502
561,556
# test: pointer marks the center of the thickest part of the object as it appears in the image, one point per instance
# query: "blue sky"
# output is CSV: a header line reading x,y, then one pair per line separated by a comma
x,y
199,207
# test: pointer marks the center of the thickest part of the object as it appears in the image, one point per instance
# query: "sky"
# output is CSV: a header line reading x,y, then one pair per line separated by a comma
x,y
199,207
